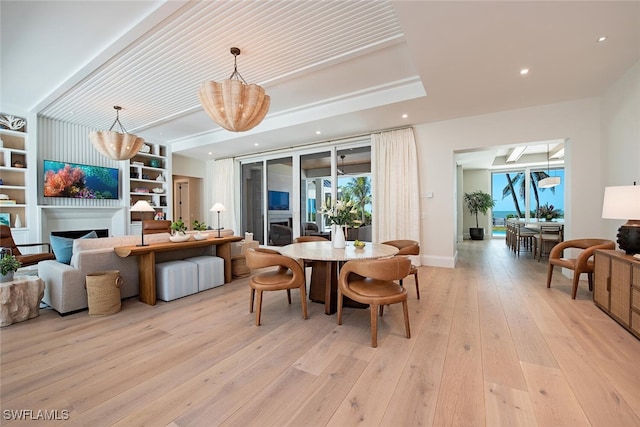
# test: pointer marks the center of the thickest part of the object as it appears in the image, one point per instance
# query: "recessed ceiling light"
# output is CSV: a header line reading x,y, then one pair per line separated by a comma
x,y
524,71
256,144
602,38
318,132
404,116
210,153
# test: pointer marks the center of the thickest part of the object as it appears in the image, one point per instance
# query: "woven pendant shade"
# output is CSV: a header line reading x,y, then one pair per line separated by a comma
x,y
233,104
116,145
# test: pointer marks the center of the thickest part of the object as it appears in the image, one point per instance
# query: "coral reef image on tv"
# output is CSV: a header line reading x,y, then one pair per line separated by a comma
x,y
64,179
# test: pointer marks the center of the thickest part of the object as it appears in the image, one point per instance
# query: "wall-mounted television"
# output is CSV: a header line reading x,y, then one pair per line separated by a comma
x,y
64,179
278,200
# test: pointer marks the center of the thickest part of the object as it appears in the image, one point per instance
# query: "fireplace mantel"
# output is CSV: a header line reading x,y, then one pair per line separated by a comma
x,y
61,218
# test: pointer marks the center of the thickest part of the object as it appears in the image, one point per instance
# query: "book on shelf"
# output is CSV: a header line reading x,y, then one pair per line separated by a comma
x,y
7,202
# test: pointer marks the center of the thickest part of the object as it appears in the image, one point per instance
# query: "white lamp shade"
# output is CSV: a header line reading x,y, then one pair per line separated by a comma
x,y
218,207
621,202
142,206
549,182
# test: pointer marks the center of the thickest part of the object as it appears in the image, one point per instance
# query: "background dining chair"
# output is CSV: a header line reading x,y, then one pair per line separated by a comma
x,y
288,275
523,238
373,282
152,226
407,247
581,264
546,239
6,241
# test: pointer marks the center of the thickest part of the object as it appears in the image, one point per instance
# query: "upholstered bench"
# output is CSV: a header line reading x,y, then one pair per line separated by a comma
x,y
210,271
176,279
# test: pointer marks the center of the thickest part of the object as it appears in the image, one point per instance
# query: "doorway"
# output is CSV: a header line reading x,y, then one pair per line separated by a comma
x,y
181,203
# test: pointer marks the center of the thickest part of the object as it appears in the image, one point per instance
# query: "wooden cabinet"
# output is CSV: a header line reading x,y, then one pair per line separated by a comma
x,y
617,287
14,176
150,180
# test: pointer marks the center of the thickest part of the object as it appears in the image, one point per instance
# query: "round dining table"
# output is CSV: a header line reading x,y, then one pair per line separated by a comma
x,y
326,261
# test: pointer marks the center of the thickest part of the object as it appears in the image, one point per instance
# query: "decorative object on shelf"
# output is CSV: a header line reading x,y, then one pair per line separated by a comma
x,y
233,104
158,190
11,122
142,206
18,164
200,227
623,202
134,175
140,190
154,163
159,216
145,148
4,197
145,176
160,178
136,163
17,223
549,181
1,181
8,265
218,207
478,202
4,219
116,145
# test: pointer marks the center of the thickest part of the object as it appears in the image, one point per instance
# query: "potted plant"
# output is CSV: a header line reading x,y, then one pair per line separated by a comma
x,y
478,202
200,227
8,265
179,231
548,212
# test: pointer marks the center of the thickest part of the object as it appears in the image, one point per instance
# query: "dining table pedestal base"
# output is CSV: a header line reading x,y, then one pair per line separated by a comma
x,y
323,274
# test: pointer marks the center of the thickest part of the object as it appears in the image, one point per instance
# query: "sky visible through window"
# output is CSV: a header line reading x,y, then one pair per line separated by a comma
x,y
505,206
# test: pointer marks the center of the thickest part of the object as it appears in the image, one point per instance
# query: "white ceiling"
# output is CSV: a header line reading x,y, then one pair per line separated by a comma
x,y
343,68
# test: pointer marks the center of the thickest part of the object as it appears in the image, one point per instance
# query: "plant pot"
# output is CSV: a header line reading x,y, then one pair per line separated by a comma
x,y
476,233
6,277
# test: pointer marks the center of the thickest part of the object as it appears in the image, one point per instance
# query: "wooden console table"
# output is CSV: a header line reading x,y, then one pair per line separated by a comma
x,y
147,260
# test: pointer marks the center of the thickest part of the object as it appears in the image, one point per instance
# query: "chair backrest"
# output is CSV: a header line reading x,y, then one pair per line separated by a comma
x,y
394,268
263,257
303,239
152,226
280,234
550,229
6,240
406,247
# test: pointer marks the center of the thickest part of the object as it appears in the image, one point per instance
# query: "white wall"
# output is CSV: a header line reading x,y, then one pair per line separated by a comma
x,y
578,120
620,147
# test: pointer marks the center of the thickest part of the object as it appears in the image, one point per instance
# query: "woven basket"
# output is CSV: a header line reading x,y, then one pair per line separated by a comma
x,y
103,293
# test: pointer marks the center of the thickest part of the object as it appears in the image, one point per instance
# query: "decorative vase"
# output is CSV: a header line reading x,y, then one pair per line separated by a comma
x,y
18,222
337,236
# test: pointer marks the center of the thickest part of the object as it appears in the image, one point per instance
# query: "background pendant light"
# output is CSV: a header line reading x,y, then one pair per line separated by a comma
x,y
549,181
116,145
234,104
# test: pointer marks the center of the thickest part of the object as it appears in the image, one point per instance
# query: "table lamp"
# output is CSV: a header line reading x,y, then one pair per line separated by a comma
x,y
624,203
218,207
142,206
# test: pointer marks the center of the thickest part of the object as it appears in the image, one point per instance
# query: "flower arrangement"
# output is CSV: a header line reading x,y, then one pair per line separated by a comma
x,y
340,213
548,212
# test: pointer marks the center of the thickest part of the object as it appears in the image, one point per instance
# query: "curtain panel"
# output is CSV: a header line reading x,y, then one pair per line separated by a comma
x,y
224,192
396,204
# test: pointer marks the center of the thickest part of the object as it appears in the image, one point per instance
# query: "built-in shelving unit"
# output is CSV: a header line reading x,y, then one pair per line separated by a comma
x,y
14,162
150,180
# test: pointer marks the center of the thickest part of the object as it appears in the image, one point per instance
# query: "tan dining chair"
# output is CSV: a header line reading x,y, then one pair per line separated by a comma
x,y
407,247
583,263
373,282
523,238
288,275
547,237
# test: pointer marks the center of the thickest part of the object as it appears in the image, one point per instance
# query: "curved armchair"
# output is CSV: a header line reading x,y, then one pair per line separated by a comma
x,y
582,264
407,247
289,275
372,282
6,241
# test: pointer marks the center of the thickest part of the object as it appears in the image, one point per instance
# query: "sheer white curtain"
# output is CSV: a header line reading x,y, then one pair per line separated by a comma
x,y
396,205
224,192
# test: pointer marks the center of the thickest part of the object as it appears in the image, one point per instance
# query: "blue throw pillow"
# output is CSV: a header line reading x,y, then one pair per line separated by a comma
x,y
63,246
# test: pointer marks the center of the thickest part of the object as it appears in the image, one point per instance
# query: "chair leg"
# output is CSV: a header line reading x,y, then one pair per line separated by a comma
x,y
259,309
252,297
576,279
405,308
549,275
590,278
381,310
303,301
374,325
289,296
417,285
339,307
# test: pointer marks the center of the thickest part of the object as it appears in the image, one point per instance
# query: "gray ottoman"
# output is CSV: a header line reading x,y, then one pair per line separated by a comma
x,y
210,271
176,279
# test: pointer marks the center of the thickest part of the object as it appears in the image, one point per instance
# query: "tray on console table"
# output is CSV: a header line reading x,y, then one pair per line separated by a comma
x,y
147,263
617,287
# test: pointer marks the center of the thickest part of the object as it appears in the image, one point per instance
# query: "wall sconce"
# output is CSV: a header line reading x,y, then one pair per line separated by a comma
x,y
624,203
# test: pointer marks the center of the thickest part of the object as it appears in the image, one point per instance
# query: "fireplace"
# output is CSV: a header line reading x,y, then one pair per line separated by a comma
x,y
55,219
74,234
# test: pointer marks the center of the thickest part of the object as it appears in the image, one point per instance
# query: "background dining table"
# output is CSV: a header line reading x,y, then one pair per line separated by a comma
x,y
326,266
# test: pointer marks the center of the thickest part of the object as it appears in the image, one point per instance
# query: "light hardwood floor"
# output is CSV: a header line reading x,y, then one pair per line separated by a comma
x,y
490,346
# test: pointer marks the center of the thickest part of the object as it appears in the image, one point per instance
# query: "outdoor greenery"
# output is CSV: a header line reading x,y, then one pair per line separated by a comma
x,y
518,181
359,190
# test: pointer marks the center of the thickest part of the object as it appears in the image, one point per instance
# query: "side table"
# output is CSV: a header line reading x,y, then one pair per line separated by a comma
x,y
20,299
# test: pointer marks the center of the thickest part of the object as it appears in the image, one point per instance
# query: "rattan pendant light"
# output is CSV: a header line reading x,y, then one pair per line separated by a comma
x,y
233,104
116,145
